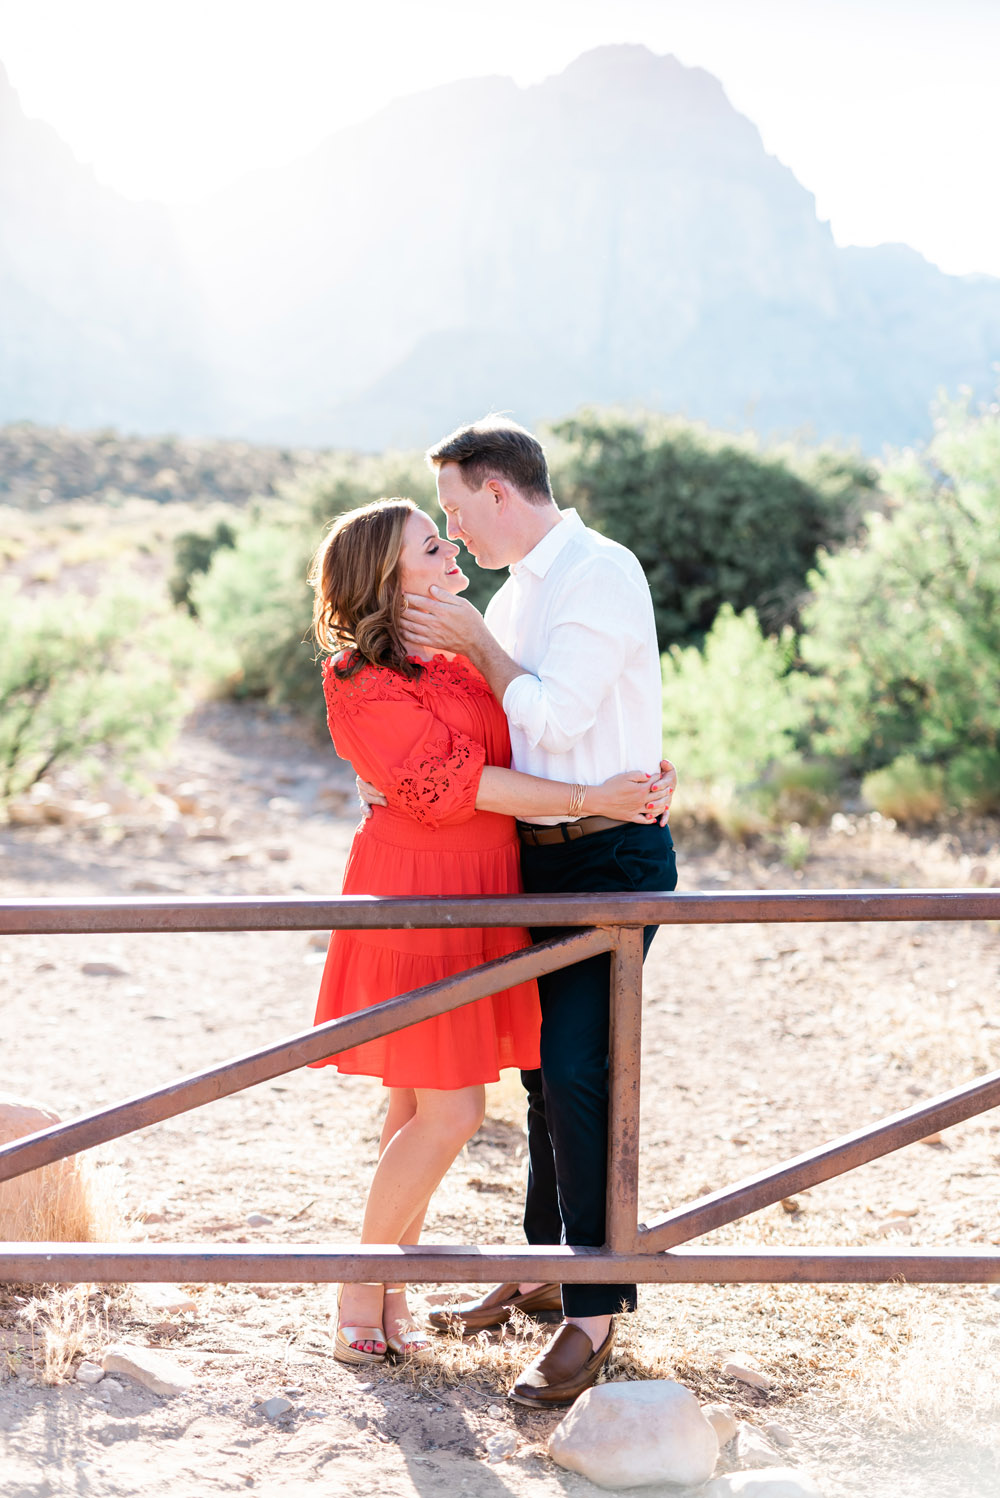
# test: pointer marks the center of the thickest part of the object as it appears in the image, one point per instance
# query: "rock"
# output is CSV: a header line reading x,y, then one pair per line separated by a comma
x,y
495,1412
185,798
753,1449
722,1420
747,1370
151,1369
501,1446
112,1386
278,854
932,1139
791,1204
893,1225
778,1434
89,1373
52,1204
632,1434
905,1209
769,1482
102,970
259,1220
166,1300
275,1407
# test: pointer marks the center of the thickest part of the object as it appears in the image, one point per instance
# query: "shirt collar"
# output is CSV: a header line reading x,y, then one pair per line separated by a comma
x,y
540,558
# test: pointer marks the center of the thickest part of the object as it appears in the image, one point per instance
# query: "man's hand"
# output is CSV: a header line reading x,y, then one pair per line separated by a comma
x,y
369,796
442,622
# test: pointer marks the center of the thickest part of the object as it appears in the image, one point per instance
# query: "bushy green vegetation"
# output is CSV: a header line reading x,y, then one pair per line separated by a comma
x,y
712,520
904,632
82,676
894,680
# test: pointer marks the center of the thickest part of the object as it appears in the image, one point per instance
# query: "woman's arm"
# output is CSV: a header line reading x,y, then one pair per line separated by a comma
x,y
631,797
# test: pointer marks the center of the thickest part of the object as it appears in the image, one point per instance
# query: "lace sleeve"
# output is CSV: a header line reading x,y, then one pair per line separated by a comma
x,y
423,768
439,784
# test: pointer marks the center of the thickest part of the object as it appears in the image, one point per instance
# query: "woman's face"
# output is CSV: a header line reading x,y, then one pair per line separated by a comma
x,y
425,559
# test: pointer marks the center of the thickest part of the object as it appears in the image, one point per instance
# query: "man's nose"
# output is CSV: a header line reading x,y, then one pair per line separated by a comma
x,y
454,529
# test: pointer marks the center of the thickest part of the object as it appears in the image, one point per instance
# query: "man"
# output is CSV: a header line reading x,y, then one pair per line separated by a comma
x,y
569,647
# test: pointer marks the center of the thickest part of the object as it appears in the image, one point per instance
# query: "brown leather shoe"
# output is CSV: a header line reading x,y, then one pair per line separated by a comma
x,y
567,1366
494,1308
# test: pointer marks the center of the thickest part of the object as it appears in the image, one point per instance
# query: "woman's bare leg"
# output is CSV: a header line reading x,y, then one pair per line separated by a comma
x,y
423,1132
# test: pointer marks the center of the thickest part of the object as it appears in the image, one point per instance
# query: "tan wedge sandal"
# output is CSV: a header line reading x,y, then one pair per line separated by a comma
x,y
412,1344
356,1357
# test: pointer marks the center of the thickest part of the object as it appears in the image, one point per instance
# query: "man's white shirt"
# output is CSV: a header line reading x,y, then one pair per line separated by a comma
x,y
576,614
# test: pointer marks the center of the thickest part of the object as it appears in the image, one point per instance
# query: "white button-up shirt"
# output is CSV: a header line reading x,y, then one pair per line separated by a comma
x,y
577,615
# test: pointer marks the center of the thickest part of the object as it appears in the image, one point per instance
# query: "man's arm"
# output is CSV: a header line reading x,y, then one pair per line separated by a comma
x,y
445,622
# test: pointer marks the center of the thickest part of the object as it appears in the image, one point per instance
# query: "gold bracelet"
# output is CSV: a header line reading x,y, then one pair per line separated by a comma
x,y
578,795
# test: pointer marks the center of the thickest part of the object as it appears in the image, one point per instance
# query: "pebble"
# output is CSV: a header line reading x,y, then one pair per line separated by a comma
x,y
151,1369
102,970
753,1449
278,855
276,1407
893,1225
89,1373
770,1482
779,1434
722,1420
906,1209
745,1368
932,1139
791,1204
259,1220
501,1446
495,1412
166,1300
113,1386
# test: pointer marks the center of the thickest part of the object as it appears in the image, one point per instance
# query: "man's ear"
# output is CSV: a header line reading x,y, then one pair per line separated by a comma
x,y
498,489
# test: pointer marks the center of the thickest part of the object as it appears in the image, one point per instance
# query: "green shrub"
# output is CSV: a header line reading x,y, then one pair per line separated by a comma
x,y
711,519
82,676
972,781
193,553
906,790
731,713
903,632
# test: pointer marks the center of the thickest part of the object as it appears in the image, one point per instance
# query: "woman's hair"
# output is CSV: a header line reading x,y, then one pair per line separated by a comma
x,y
355,576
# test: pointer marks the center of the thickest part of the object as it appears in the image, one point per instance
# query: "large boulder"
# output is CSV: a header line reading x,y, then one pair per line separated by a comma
x,y
55,1204
630,1434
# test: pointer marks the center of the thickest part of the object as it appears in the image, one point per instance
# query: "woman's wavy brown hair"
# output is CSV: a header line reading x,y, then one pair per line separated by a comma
x,y
359,601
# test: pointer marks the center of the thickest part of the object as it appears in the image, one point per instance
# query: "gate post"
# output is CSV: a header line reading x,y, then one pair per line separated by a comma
x,y
622,1218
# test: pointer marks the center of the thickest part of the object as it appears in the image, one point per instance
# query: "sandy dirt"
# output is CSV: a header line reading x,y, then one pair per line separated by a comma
x,y
759,1043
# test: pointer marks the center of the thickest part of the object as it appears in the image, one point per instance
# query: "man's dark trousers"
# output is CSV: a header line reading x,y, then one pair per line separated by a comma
x,y
568,1096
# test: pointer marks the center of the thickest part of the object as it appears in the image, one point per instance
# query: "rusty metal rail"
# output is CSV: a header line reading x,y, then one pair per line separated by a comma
x,y
609,924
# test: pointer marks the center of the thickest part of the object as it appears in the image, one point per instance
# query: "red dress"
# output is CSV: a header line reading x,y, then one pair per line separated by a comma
x,y
424,744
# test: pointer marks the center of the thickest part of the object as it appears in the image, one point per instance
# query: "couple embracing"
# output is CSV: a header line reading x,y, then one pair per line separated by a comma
x,y
520,751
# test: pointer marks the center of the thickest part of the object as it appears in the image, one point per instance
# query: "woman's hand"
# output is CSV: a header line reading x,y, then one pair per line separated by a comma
x,y
633,796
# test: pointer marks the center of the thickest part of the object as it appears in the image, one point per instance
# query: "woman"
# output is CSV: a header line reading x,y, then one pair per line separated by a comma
x,y
431,735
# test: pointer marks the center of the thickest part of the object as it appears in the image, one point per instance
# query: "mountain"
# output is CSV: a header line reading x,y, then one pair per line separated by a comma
x,y
614,234
99,320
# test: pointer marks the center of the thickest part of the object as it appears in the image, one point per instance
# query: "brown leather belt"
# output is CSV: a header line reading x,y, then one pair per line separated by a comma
x,y
564,832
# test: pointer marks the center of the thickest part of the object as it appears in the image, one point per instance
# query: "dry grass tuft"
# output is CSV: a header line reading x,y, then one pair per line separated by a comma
x,y
71,1201
62,1324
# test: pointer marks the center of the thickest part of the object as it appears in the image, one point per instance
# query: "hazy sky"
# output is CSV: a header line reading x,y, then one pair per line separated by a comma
x,y
885,109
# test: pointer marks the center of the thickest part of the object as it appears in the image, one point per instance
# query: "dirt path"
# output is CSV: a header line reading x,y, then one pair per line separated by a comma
x,y
759,1042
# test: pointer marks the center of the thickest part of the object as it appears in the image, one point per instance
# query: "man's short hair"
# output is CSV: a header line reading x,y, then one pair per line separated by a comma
x,y
495,448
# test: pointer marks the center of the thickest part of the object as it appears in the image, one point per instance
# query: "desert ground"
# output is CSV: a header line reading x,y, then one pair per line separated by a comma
x,y
759,1042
